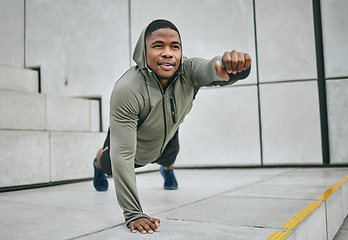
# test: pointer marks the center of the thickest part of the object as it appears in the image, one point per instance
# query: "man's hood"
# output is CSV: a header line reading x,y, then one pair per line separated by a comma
x,y
139,55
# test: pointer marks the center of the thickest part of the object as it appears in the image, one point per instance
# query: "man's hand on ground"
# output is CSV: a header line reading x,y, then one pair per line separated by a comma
x,y
144,225
234,62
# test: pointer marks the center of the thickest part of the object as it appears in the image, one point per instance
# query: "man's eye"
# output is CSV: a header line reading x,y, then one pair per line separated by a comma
x,y
157,46
176,47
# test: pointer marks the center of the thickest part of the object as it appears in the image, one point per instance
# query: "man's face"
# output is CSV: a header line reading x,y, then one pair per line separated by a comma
x,y
163,52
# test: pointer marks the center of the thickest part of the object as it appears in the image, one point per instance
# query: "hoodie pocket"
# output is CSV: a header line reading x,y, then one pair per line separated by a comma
x,y
173,109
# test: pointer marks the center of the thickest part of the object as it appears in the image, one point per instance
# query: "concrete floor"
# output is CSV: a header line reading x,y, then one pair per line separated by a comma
x,y
210,204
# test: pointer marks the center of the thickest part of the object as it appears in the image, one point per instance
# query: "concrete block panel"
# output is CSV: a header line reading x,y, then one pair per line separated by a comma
x,y
335,206
341,235
208,30
12,32
345,207
72,154
105,114
285,40
335,37
95,115
337,104
19,79
25,157
68,114
313,226
82,46
290,123
222,129
21,110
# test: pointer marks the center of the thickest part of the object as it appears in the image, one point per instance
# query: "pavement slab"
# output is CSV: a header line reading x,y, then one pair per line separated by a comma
x,y
237,211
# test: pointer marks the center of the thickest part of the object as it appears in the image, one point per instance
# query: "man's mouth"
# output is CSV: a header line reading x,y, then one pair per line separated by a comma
x,y
166,65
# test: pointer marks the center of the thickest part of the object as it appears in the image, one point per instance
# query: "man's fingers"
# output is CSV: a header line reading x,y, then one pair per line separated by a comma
x,y
150,227
156,222
140,228
241,62
147,228
132,228
247,61
227,60
235,61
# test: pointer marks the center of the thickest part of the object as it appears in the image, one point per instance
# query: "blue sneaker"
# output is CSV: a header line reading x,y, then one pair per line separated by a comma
x,y
99,180
170,182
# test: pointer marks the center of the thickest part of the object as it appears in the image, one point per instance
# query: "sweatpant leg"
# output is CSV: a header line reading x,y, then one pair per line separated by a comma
x,y
167,158
170,152
105,161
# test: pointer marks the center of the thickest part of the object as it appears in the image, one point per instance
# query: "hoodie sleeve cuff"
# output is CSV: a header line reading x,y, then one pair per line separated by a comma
x,y
233,78
136,217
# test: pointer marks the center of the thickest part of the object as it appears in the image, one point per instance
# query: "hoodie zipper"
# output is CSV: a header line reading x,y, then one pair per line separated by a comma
x,y
165,121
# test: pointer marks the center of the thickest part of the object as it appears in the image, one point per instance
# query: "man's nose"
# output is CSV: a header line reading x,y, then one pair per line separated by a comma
x,y
167,52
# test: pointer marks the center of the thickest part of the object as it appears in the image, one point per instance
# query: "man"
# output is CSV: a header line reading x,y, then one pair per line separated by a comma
x,y
148,104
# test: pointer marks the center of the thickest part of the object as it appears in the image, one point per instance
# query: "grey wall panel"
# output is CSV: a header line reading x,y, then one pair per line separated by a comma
x,y
105,114
337,101
94,112
24,157
285,40
208,28
290,123
19,110
67,114
19,79
72,154
335,37
82,46
222,129
12,32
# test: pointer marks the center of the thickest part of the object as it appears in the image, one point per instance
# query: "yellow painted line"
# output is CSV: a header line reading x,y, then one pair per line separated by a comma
x,y
299,217
333,189
279,235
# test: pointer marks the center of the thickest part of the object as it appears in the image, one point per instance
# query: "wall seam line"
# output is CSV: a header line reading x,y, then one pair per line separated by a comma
x,y
318,38
130,32
258,83
24,32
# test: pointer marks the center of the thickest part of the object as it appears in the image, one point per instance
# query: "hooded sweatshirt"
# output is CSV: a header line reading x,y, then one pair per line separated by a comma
x,y
144,117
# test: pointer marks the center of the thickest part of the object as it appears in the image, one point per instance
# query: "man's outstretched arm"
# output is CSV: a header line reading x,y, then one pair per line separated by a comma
x,y
219,71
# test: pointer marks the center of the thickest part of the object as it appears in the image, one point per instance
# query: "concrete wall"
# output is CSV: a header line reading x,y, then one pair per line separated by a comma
x,y
82,47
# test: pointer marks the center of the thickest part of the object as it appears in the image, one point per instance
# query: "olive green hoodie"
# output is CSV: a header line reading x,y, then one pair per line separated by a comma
x,y
144,118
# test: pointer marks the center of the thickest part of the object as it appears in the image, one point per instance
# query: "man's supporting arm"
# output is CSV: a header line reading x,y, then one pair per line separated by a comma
x,y
124,111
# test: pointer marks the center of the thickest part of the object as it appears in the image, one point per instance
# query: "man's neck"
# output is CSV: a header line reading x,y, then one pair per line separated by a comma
x,y
164,83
